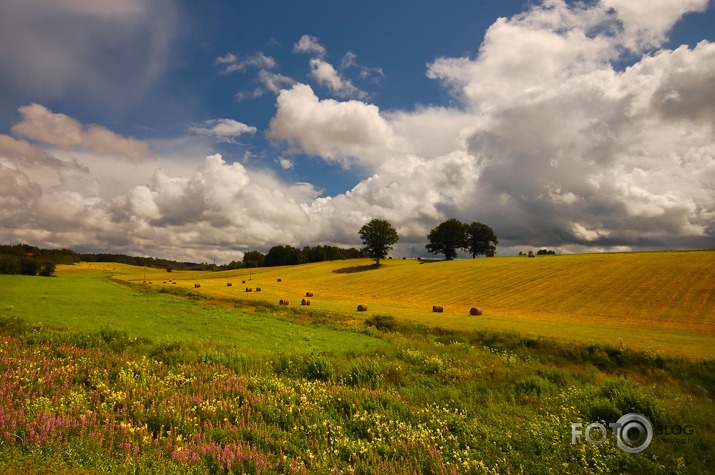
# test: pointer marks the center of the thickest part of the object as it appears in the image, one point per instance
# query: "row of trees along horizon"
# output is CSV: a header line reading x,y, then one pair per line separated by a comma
x,y
378,237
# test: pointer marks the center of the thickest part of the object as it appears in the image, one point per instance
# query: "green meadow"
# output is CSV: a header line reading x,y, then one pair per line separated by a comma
x,y
87,301
109,368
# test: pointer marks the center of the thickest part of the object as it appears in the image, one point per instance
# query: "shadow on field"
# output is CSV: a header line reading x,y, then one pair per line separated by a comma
x,y
355,269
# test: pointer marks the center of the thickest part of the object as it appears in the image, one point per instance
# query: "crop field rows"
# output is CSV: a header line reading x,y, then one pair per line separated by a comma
x,y
651,300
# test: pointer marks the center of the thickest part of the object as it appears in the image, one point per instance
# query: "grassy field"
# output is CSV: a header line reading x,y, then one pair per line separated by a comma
x,y
103,373
84,300
658,301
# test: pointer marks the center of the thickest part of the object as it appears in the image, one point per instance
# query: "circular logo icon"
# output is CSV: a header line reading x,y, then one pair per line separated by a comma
x,y
634,433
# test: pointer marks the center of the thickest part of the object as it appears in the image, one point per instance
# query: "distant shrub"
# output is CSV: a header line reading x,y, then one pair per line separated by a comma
x,y
47,269
385,323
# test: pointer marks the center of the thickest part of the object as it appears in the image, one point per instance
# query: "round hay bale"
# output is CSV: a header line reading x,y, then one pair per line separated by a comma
x,y
305,302
474,311
248,289
279,280
362,308
243,281
229,284
437,308
283,302
258,289
309,294
196,286
164,282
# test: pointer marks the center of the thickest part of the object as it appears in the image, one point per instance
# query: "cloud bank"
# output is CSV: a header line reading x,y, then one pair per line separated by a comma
x,y
552,144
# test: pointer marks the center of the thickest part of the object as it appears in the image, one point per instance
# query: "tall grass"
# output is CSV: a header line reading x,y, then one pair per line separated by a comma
x,y
424,403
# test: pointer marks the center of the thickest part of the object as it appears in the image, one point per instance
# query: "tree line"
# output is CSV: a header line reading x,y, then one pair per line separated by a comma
x,y
284,255
378,237
30,260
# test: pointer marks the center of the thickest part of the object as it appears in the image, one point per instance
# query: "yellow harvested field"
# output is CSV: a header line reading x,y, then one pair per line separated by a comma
x,y
663,301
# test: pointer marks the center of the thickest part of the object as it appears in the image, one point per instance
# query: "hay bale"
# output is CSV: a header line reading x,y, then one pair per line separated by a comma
x,y
243,281
229,284
196,286
283,302
248,289
474,311
437,308
362,308
279,280
305,302
258,289
309,294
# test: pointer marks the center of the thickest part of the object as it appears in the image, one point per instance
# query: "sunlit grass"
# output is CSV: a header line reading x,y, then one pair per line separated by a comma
x,y
662,301
81,300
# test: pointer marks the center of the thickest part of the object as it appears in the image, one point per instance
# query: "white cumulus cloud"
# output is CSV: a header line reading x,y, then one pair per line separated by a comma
x,y
223,129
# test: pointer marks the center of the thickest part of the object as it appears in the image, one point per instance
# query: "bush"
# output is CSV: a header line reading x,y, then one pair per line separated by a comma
x,y
622,396
364,374
533,386
318,368
47,269
385,323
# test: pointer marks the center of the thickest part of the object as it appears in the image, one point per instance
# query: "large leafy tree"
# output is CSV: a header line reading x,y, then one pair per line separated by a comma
x,y
446,238
379,237
480,240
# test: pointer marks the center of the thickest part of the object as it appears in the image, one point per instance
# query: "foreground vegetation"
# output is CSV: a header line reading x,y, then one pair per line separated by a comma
x,y
100,375
104,401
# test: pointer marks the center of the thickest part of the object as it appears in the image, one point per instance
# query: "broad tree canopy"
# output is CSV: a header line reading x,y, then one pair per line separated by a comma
x,y
379,237
480,240
446,238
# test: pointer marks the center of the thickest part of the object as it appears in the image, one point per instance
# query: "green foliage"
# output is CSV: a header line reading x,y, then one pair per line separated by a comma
x,y
283,256
385,323
378,236
534,385
480,240
365,374
318,368
254,259
420,405
447,238
48,269
625,395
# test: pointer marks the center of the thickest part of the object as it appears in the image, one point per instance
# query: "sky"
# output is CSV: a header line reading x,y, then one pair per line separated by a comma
x,y
197,131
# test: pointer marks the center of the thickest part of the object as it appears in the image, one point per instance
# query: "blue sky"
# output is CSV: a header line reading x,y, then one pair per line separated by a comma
x,y
200,130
